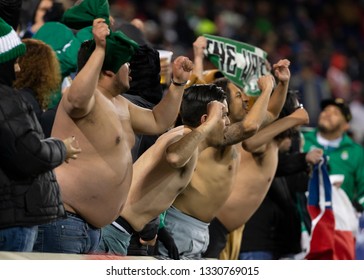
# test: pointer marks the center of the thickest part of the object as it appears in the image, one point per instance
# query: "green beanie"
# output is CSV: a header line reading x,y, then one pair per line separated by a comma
x,y
10,45
119,47
63,42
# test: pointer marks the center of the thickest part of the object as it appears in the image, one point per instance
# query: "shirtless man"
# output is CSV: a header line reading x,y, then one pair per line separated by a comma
x,y
95,189
187,220
165,169
258,164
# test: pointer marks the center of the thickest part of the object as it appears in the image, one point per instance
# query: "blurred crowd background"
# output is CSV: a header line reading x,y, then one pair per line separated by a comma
x,y
324,40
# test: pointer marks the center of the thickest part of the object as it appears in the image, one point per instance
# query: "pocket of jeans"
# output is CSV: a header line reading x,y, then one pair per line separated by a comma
x,y
71,231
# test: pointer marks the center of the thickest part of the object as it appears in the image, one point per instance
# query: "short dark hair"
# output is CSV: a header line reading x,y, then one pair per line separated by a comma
x,y
84,53
195,100
223,84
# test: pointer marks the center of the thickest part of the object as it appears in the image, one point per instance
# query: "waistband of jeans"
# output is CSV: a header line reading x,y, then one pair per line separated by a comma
x,y
121,224
71,214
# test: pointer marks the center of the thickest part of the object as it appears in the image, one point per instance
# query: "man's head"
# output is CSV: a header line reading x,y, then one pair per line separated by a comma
x,y
334,117
119,79
237,100
194,109
10,48
40,71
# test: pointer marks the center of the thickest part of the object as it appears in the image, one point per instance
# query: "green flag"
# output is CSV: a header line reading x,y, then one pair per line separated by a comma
x,y
241,63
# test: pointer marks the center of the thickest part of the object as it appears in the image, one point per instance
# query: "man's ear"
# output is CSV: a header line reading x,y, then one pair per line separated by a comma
x,y
203,118
346,126
108,73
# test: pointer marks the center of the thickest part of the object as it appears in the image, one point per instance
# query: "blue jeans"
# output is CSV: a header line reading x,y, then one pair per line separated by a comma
x,y
72,235
264,255
18,239
256,255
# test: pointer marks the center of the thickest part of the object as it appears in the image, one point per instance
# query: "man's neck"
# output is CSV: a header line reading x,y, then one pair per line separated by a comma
x,y
325,141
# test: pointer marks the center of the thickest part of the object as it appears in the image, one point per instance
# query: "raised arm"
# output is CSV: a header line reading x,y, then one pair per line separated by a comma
x,y
267,134
79,98
277,99
239,131
198,56
164,114
180,152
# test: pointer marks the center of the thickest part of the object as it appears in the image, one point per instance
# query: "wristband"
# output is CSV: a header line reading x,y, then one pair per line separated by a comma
x,y
178,84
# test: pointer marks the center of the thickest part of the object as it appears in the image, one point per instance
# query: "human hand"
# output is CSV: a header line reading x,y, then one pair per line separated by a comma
x,y
182,67
100,31
215,110
301,116
166,239
149,232
199,45
72,148
266,82
148,242
281,70
314,156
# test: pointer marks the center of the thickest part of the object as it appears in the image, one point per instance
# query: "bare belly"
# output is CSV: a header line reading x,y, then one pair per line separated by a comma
x,y
95,191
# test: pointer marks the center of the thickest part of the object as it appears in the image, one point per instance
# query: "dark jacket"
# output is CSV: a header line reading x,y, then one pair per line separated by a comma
x,y
276,225
29,192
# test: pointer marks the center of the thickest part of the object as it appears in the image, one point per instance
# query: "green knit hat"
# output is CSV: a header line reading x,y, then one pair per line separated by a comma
x,y
10,45
119,47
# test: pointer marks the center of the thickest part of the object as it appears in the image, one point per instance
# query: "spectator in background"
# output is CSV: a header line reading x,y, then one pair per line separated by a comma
x,y
46,10
345,157
337,77
39,76
357,110
312,88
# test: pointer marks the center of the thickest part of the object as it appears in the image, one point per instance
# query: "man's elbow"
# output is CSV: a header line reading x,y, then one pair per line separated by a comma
x,y
174,160
251,147
250,128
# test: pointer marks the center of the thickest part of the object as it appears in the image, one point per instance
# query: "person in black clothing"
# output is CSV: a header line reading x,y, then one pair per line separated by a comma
x,y
274,230
29,192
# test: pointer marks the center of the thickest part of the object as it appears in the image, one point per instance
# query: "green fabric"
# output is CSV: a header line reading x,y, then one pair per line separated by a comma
x,y
239,62
84,34
83,13
162,217
347,159
119,47
10,45
63,42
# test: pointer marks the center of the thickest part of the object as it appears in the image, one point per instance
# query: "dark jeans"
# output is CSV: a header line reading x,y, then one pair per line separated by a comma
x,y
18,239
72,235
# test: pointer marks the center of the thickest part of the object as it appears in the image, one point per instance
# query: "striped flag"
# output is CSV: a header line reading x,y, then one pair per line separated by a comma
x,y
332,236
241,63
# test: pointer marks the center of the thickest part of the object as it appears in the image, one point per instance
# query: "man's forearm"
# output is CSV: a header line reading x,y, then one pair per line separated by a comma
x,y
166,111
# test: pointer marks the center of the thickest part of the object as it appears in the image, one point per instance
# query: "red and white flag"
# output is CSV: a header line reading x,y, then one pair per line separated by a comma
x,y
333,219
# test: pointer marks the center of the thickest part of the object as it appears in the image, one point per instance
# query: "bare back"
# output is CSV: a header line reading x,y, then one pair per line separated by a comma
x,y
155,183
96,185
211,183
254,177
